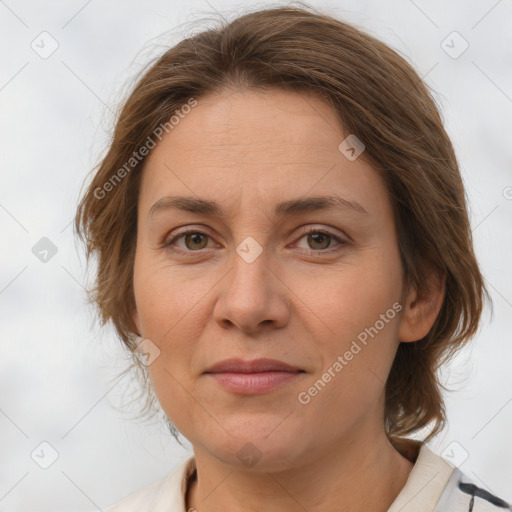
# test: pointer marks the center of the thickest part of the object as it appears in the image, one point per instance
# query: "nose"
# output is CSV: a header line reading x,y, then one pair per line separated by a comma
x,y
252,297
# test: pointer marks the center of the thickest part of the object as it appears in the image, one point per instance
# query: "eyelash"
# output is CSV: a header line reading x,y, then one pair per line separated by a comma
x,y
169,245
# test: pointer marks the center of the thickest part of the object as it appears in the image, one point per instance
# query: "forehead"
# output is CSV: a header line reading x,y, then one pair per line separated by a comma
x,y
263,145
243,124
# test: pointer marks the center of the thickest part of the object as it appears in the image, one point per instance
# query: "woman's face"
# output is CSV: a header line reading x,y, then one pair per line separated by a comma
x,y
268,274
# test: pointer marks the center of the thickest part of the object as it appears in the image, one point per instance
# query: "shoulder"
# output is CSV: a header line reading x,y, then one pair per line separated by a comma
x,y
164,495
141,500
436,485
461,494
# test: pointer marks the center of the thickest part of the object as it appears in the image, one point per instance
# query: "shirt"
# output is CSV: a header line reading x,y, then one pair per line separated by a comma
x,y
433,485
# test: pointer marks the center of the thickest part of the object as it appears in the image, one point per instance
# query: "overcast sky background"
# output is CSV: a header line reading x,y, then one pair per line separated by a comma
x,y
57,365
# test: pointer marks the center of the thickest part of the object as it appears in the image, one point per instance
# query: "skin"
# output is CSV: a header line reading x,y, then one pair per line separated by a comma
x,y
297,302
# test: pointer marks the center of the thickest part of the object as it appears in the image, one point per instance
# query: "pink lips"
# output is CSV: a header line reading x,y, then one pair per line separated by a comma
x,y
252,377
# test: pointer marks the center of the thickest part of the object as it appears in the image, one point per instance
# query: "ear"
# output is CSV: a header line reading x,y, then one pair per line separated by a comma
x,y
421,309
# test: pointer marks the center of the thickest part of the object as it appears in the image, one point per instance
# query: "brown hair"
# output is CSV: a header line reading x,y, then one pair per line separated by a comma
x,y
377,96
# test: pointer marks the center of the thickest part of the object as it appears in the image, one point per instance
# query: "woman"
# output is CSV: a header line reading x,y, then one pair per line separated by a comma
x,y
296,345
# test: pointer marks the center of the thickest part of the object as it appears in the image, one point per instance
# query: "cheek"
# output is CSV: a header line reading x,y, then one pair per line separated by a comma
x,y
174,392
355,296
168,309
168,299
170,303
360,306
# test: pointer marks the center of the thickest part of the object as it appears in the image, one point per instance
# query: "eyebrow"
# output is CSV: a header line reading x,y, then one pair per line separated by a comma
x,y
196,205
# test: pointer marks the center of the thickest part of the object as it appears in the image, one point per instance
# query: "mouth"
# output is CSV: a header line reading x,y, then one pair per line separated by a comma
x,y
253,377
254,366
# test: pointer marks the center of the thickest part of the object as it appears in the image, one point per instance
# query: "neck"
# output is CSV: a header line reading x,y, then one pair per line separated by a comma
x,y
357,476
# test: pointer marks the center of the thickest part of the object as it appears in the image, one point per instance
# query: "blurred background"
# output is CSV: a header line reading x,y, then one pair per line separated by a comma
x,y
66,442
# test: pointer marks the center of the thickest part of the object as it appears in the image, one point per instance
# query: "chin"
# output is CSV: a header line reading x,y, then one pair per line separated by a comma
x,y
259,446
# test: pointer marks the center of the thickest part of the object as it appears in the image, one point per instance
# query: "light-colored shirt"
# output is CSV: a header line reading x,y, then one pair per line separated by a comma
x,y
433,485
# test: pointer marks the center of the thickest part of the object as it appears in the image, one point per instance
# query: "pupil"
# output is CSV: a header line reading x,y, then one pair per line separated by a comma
x,y
321,235
196,238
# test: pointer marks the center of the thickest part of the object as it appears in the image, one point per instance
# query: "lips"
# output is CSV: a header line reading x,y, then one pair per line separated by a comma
x,y
255,377
254,366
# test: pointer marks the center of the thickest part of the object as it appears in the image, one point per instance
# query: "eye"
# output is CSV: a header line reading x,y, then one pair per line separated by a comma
x,y
320,241
193,240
